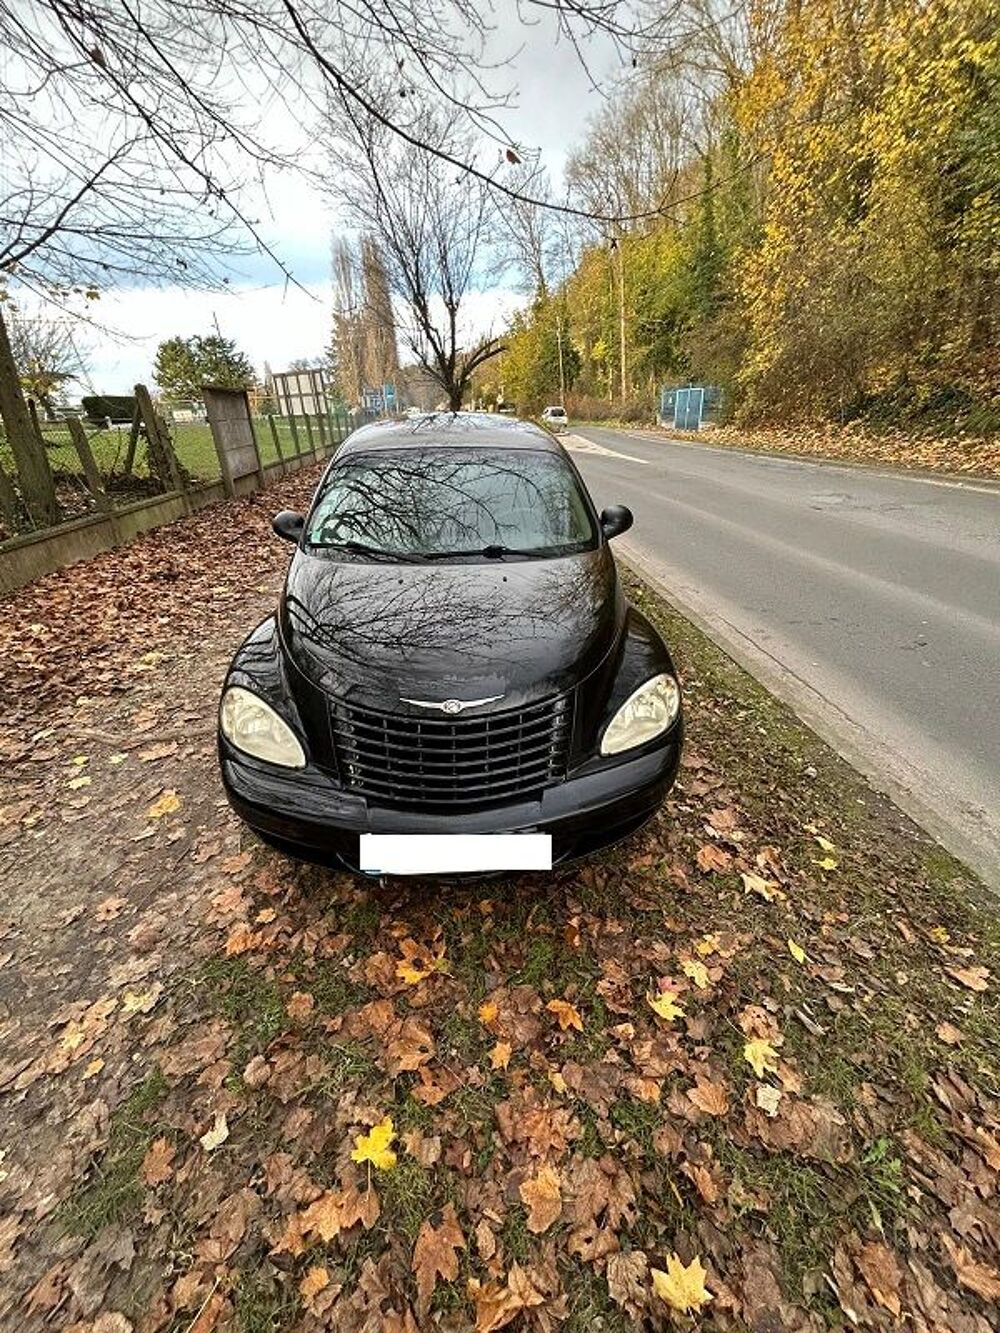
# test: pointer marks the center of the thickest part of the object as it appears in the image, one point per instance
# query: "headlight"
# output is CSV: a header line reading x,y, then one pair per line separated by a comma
x,y
646,713
255,728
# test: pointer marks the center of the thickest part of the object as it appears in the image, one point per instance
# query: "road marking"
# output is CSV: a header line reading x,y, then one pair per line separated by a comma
x,y
579,445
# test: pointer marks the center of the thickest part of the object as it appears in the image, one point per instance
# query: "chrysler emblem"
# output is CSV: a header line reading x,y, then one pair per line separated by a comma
x,y
451,706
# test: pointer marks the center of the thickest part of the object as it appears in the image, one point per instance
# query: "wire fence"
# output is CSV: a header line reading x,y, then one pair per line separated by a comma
x,y
122,471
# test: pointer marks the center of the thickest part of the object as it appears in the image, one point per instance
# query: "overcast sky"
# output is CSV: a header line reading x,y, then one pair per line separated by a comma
x,y
277,323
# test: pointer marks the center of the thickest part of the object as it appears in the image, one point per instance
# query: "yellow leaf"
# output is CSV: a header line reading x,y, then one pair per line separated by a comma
x,y
939,935
825,844
488,1012
75,784
500,1055
827,863
683,1288
557,1081
706,945
217,1135
141,1002
761,1056
411,974
79,760
374,1147
797,951
313,1283
166,805
567,1016
698,972
665,1005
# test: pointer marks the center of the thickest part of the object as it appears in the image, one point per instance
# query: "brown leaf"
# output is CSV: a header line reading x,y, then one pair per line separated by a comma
x,y
976,1276
540,1195
157,1165
299,1008
436,1254
628,1277
975,978
882,1272
712,1098
710,857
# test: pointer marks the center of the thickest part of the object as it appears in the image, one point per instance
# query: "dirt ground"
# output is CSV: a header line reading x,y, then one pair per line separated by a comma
x,y
741,1072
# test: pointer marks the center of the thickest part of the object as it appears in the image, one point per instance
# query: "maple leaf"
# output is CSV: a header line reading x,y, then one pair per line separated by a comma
x,y
761,1056
665,1005
217,1135
418,963
157,1164
566,1014
167,804
683,1288
711,858
489,1012
767,1098
436,1253
712,1098
696,971
540,1195
374,1147
827,863
500,1055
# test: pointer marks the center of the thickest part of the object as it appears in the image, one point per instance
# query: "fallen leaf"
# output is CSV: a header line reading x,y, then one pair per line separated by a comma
x,y
827,863
141,1002
696,971
767,1098
75,784
765,888
797,951
217,1135
157,1165
976,1276
167,804
315,1280
711,858
825,845
436,1254
882,1272
567,1016
761,1056
299,1008
975,978
712,1098
683,1288
540,1195
374,1147
949,1033
500,1055
489,1012
665,1005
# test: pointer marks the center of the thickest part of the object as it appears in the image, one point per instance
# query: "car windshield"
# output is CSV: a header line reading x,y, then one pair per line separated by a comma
x,y
434,503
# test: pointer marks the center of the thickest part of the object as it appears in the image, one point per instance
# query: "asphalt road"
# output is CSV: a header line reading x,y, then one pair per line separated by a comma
x,y
869,600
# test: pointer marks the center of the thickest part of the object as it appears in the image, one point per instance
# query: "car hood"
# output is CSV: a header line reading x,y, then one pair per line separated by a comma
x,y
383,633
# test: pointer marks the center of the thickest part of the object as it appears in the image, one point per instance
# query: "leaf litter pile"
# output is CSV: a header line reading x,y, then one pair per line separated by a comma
x,y
740,1073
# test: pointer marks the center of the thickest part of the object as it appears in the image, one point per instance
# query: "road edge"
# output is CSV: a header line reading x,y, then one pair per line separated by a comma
x,y
833,726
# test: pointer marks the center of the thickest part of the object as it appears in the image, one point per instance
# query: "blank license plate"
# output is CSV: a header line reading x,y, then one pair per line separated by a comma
x,y
453,853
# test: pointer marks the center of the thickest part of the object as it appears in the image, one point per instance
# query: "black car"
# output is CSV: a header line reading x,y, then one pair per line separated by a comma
x,y
452,655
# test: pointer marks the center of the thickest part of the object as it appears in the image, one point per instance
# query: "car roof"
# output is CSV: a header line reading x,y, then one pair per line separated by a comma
x,y
468,429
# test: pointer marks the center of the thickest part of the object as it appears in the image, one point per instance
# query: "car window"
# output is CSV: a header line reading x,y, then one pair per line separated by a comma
x,y
431,502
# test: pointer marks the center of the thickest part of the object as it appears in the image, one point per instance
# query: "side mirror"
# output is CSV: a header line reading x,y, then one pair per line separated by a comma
x,y
289,525
615,520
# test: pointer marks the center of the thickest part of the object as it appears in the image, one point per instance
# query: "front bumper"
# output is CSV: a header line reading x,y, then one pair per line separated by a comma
x,y
309,814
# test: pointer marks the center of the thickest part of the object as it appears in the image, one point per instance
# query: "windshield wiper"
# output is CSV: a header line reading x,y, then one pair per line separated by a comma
x,y
493,552
376,552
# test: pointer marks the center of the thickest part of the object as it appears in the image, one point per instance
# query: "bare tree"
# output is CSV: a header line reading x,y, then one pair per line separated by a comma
x,y
431,226
46,355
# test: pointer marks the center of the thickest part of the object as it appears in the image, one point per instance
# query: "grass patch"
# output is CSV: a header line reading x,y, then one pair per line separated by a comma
x,y
407,1193
262,1305
250,1001
348,1066
637,1120
115,1193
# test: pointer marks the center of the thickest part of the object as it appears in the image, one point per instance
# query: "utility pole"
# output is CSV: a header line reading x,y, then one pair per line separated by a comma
x,y
562,372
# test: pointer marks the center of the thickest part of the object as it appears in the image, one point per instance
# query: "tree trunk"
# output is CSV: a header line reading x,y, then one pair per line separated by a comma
x,y
38,490
37,486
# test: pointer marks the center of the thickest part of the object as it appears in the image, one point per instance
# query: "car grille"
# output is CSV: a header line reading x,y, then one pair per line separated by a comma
x,y
441,764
